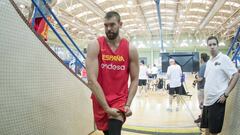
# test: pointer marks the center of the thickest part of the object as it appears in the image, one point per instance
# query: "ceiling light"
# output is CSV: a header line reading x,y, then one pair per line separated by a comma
x,y
148,3
225,11
215,22
80,32
210,27
193,22
168,11
232,4
130,2
70,8
188,27
184,44
114,7
134,43
222,44
100,1
198,10
201,2
168,2
152,24
130,25
97,24
141,46
92,19
151,18
22,6
66,25
203,43
84,13
124,14
220,17
73,29
151,12
155,28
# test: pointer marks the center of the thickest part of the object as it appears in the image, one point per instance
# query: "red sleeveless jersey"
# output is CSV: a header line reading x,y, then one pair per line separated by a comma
x,y
113,74
113,70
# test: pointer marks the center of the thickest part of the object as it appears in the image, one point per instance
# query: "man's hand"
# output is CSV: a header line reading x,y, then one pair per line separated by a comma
x,y
222,99
113,112
128,111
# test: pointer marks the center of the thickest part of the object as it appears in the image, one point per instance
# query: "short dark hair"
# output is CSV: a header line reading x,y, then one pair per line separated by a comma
x,y
111,14
204,57
142,61
212,37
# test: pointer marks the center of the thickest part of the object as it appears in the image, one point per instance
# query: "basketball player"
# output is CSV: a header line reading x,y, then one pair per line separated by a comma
x,y
110,60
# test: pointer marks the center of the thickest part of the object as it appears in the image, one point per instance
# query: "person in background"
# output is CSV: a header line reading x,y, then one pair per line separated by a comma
x,y
154,71
174,73
143,76
40,26
200,83
84,72
221,77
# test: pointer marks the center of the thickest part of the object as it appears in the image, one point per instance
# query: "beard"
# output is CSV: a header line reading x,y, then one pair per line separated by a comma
x,y
112,35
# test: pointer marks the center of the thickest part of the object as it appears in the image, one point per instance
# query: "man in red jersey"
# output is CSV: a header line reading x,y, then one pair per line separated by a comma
x,y
110,60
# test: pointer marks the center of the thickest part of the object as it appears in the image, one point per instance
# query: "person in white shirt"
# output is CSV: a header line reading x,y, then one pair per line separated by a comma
x,y
143,76
154,71
149,71
174,73
221,77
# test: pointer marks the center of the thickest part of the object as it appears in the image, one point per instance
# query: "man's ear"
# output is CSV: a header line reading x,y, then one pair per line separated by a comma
x,y
120,24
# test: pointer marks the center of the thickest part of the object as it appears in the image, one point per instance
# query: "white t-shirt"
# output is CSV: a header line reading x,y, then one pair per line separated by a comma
x,y
143,72
174,73
149,71
218,73
154,70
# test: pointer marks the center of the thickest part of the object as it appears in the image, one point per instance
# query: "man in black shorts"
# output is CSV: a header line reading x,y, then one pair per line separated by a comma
x,y
221,77
143,76
174,73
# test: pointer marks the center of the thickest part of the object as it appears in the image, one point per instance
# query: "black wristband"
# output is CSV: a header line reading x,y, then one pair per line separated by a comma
x,y
225,95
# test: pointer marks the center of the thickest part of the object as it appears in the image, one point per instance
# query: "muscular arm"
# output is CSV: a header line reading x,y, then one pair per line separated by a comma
x,y
134,71
92,73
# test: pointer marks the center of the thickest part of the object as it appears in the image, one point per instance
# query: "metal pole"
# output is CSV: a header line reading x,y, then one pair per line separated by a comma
x,y
234,41
159,21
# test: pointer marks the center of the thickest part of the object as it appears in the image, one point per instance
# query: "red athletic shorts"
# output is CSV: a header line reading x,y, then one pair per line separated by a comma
x,y
101,117
41,27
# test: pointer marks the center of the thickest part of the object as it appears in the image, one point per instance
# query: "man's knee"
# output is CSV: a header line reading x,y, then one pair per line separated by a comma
x,y
114,126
